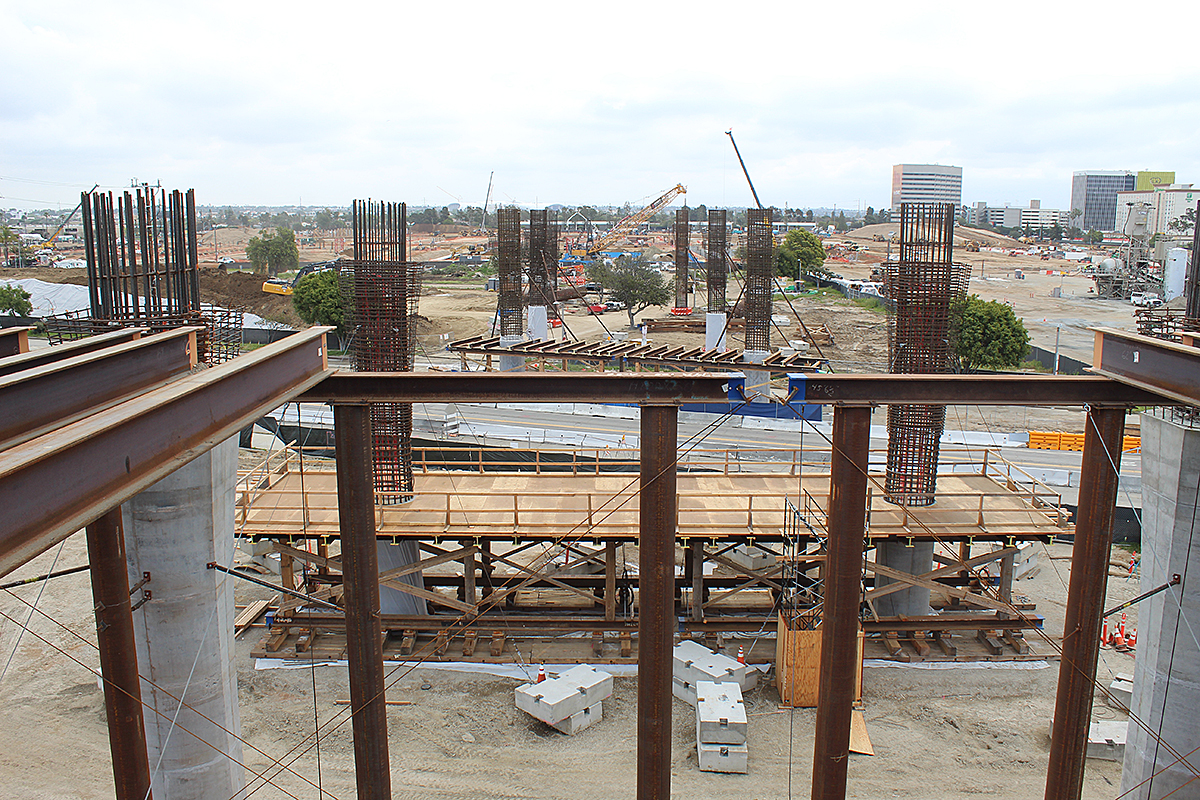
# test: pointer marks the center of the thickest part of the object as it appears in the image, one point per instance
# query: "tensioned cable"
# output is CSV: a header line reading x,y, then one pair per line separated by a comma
x,y
1017,612
38,599
421,656
194,735
312,664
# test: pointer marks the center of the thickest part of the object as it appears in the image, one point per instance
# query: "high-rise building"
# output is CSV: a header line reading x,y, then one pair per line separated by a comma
x,y
1147,181
926,183
1094,195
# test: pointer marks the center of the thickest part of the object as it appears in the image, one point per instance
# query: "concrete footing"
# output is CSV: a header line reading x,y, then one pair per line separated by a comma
x,y
714,331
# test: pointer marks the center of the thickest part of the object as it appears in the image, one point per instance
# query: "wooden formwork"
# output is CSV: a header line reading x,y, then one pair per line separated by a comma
x,y
798,665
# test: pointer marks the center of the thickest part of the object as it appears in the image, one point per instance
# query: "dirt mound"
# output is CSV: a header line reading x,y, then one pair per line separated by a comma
x,y
244,290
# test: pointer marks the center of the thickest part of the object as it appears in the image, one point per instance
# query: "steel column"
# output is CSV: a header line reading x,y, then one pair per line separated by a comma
x,y
1085,601
656,599
360,576
843,593
695,557
118,657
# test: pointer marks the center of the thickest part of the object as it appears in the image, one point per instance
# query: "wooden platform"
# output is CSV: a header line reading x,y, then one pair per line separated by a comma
x,y
743,507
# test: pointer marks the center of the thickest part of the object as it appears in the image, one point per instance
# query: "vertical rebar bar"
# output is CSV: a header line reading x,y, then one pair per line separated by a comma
x,y
715,267
681,257
759,273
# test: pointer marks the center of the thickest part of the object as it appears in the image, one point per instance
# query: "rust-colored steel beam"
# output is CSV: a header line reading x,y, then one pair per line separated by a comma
x,y
491,387
360,571
1156,365
656,599
118,657
14,341
48,355
995,390
56,484
54,393
1085,602
843,593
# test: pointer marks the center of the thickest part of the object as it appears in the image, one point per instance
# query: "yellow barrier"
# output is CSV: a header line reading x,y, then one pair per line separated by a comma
x,y
1055,440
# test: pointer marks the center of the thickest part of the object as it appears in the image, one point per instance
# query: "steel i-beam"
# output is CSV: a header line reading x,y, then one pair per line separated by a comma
x,y
843,592
656,599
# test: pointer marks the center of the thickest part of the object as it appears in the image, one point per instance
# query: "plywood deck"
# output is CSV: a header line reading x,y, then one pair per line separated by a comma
x,y
465,505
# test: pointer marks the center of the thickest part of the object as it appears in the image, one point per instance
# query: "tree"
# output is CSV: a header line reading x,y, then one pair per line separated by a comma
x,y
1185,223
318,299
7,237
1093,237
633,283
786,263
275,252
988,335
1056,233
809,253
15,301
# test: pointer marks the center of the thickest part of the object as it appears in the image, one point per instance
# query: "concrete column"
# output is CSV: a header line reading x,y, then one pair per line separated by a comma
x,y
184,635
915,559
1166,677
511,363
538,326
714,331
758,382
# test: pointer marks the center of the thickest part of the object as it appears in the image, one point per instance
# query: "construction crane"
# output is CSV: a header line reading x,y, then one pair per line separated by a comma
x,y
49,243
627,224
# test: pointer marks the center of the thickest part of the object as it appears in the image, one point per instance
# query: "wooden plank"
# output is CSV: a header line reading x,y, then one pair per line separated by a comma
x,y
249,614
860,742
497,644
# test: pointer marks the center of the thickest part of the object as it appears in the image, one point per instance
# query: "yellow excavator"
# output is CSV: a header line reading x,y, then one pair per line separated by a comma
x,y
626,225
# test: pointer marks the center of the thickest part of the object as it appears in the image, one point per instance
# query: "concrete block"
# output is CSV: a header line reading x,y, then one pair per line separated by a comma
x,y
578,721
720,713
555,699
1121,689
1106,739
693,662
751,557
723,757
684,691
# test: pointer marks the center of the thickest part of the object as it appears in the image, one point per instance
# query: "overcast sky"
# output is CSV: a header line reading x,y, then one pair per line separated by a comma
x,y
274,103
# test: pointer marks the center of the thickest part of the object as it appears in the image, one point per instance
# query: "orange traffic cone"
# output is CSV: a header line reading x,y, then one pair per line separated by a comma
x,y
1118,641
1122,628
1105,639
741,656
541,673
1133,638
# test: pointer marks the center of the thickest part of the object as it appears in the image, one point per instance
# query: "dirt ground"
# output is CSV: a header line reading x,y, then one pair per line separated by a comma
x,y
937,734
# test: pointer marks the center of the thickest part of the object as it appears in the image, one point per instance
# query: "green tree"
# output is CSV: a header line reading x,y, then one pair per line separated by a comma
x,y
7,237
988,335
1184,223
1056,233
15,301
273,252
633,283
318,300
786,263
809,253
1093,237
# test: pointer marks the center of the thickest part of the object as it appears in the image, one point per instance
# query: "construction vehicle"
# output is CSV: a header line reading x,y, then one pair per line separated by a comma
x,y
49,243
624,226
285,286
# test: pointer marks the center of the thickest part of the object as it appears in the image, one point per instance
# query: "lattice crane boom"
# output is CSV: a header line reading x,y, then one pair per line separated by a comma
x,y
627,224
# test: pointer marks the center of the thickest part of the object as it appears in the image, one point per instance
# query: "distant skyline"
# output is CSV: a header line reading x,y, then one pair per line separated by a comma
x,y
272,103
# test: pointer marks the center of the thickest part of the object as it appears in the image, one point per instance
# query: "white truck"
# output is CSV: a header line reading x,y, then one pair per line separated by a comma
x,y
1145,299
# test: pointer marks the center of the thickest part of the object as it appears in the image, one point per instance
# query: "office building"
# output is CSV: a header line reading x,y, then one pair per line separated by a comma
x,y
1094,195
926,183
1164,205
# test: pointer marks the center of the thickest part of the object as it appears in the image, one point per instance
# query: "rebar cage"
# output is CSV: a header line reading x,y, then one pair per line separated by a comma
x,y
759,249
715,267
